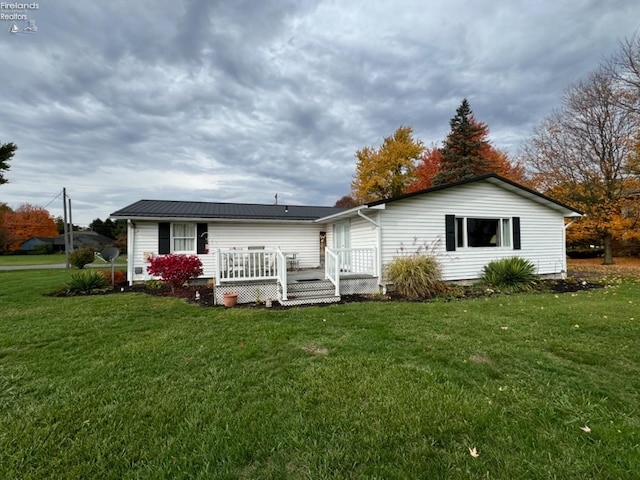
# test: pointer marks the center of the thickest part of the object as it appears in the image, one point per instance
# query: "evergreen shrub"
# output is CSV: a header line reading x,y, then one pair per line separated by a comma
x,y
514,274
81,257
86,281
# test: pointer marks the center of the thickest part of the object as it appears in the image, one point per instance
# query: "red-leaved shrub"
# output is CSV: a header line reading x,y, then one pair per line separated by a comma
x,y
176,270
119,276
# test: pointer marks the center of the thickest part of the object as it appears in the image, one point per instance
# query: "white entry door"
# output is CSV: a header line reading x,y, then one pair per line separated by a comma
x,y
342,243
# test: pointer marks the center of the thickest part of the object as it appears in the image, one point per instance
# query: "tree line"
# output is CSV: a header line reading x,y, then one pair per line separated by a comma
x,y
28,221
586,154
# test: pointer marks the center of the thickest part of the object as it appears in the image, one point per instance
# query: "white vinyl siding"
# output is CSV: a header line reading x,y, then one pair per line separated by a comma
x,y
145,240
301,239
419,221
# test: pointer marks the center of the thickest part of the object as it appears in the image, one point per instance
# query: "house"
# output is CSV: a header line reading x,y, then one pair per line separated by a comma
x,y
37,243
83,239
305,254
80,240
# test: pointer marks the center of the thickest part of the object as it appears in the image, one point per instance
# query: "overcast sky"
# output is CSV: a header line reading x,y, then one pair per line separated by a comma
x,y
235,101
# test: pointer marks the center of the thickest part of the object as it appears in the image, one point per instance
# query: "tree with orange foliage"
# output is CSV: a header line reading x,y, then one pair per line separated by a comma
x,y
28,221
583,155
346,201
5,237
426,169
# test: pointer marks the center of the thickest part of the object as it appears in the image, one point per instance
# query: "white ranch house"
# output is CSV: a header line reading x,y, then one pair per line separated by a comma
x,y
304,254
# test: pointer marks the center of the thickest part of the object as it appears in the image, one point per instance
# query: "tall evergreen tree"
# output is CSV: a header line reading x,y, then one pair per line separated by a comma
x,y
6,153
464,150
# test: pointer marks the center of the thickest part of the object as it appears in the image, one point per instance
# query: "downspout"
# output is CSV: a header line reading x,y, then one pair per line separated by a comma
x,y
131,253
564,250
378,247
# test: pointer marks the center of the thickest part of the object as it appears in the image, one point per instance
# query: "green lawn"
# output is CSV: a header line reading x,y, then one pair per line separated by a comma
x,y
132,386
20,260
53,259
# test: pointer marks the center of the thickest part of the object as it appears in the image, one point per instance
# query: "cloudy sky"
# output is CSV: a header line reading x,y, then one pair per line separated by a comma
x,y
235,101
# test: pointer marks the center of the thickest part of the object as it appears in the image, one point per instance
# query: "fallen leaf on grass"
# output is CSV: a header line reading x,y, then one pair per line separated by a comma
x,y
315,350
474,452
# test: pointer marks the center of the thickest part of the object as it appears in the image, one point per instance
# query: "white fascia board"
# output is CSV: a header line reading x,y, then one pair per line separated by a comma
x,y
212,220
352,212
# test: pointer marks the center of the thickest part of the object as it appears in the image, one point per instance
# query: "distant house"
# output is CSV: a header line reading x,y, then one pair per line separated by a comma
x,y
305,254
84,239
36,243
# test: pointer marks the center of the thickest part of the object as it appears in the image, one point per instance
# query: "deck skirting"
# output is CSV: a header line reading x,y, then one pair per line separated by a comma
x,y
261,291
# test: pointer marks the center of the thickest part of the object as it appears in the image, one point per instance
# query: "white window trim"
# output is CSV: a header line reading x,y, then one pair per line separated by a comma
x,y
504,230
174,238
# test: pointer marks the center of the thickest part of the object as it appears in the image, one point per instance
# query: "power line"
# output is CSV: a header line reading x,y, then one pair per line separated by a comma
x,y
54,198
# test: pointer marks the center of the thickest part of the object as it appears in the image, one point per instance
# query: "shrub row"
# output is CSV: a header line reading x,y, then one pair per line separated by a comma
x,y
585,252
419,276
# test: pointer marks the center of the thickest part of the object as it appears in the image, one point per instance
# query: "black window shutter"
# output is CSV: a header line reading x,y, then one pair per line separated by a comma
x,y
164,238
201,239
516,233
450,230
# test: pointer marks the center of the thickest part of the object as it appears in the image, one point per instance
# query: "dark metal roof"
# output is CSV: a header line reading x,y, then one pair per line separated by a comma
x,y
231,211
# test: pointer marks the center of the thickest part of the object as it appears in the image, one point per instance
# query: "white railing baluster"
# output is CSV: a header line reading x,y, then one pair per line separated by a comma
x,y
245,265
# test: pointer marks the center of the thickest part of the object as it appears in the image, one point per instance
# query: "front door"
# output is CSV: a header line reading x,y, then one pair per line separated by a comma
x,y
342,243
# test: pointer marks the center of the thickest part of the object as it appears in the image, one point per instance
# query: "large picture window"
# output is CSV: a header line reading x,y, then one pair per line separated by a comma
x,y
184,237
483,232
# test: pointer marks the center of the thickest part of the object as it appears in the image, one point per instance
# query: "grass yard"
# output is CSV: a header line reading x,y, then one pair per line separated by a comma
x,y
133,386
52,259
27,260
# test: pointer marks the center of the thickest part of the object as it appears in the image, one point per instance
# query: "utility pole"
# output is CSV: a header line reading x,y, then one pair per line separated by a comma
x,y
70,227
66,226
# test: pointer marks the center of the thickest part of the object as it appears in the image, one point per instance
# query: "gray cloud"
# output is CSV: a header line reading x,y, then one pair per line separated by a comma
x,y
237,101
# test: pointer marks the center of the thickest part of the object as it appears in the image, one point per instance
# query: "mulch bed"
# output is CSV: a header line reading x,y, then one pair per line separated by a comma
x,y
583,274
203,295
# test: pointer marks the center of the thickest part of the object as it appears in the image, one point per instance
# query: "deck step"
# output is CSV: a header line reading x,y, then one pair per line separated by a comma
x,y
308,300
308,285
310,292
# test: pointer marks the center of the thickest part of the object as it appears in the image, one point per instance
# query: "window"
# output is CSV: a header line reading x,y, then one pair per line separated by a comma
x,y
482,232
183,237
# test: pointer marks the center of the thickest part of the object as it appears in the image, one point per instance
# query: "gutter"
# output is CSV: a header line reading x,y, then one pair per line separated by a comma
x,y
564,250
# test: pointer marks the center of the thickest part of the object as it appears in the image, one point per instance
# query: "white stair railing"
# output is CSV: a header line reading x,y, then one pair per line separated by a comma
x,y
332,269
281,274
